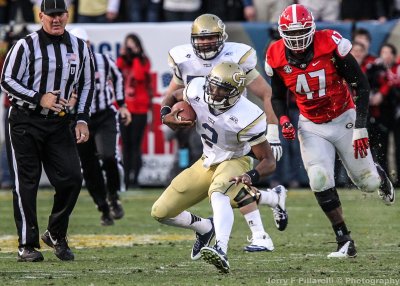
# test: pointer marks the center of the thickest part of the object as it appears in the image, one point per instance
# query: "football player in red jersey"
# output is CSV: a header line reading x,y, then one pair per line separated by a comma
x,y
315,66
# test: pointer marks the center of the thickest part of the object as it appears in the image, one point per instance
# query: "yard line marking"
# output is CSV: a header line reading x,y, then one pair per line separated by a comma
x,y
9,243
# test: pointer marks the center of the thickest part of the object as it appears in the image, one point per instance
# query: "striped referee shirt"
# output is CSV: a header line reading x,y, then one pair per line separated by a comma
x,y
108,84
41,63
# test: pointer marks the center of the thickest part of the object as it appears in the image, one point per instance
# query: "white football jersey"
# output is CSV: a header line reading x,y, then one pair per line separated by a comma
x,y
186,65
229,134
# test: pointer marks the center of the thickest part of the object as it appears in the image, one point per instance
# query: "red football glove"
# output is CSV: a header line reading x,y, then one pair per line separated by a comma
x,y
360,142
288,131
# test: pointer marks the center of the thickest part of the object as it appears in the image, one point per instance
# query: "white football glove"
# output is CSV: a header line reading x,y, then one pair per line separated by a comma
x,y
274,141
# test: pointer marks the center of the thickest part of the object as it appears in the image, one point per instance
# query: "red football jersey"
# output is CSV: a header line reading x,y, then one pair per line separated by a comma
x,y
321,93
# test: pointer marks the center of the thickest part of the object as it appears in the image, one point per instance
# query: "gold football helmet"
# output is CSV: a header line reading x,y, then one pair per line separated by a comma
x,y
224,85
208,36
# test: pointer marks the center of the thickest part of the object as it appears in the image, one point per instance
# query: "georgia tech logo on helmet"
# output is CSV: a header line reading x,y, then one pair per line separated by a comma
x,y
220,24
239,78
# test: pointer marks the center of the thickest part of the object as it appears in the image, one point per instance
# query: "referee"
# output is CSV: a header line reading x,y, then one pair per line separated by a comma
x,y
104,135
39,74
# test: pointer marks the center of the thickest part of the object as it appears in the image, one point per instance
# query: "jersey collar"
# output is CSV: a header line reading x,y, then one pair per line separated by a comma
x,y
50,39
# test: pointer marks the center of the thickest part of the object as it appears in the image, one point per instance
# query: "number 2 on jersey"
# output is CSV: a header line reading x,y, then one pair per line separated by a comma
x,y
303,87
207,139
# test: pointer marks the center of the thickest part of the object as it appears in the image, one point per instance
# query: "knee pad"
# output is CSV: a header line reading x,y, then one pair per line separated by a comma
x,y
328,200
318,178
159,212
245,197
370,183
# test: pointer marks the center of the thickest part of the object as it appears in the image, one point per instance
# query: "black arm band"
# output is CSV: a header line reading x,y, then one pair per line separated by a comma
x,y
254,175
350,70
279,96
164,111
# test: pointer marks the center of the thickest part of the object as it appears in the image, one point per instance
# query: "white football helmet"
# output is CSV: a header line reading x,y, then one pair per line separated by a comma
x,y
224,85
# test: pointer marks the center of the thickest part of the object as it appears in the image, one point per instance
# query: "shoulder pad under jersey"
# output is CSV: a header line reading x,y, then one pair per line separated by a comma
x,y
268,69
194,89
344,47
181,53
240,53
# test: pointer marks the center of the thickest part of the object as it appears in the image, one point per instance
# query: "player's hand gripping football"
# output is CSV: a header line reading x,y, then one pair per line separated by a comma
x,y
274,141
173,122
360,142
288,131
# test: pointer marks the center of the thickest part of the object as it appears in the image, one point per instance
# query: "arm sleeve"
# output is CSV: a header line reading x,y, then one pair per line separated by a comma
x,y
254,133
118,82
85,86
14,69
175,69
279,96
349,69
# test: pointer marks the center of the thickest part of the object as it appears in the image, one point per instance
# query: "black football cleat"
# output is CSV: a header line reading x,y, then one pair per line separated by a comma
x,y
60,246
29,254
215,256
106,219
345,249
386,191
202,240
279,212
116,210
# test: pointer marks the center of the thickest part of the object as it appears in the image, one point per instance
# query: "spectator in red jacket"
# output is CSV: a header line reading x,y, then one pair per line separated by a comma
x,y
135,67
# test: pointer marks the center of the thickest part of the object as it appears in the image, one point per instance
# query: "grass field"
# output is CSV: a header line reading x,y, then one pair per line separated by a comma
x,y
139,251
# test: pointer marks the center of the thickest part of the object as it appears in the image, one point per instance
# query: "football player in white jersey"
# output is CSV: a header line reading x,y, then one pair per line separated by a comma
x,y
207,49
231,127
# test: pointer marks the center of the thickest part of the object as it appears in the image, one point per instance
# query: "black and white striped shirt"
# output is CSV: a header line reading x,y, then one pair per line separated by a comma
x,y
41,63
108,83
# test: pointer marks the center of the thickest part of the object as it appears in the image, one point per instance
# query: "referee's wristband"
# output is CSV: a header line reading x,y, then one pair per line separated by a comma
x,y
164,111
254,175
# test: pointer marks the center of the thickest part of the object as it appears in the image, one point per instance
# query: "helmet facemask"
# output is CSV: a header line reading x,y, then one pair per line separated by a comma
x,y
220,95
210,49
298,40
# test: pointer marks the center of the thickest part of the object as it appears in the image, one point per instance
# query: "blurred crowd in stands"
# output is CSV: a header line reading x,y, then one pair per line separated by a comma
x,y
382,70
106,11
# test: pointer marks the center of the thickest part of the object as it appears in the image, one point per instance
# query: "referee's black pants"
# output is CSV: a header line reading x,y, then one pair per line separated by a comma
x,y
33,141
102,147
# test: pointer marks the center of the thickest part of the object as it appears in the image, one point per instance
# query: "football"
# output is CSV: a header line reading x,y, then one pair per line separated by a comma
x,y
187,114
